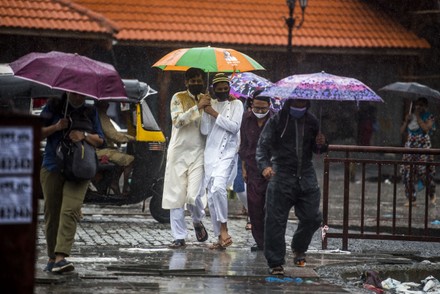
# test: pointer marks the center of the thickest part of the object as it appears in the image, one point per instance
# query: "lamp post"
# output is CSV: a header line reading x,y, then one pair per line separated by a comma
x,y
290,22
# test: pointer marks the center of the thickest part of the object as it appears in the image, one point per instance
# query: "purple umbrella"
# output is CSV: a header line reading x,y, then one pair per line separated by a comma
x,y
322,86
72,73
244,84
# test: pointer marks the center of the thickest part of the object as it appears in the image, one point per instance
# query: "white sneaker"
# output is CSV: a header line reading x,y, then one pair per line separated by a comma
x,y
92,187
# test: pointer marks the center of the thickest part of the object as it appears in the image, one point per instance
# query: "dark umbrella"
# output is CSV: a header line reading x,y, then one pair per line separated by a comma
x,y
411,90
72,73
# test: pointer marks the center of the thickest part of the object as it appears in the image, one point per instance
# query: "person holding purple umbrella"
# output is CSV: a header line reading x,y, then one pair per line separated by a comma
x,y
284,157
70,118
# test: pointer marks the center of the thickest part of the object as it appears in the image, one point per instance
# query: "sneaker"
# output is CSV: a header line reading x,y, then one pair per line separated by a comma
x,y
62,266
299,261
49,266
276,271
178,243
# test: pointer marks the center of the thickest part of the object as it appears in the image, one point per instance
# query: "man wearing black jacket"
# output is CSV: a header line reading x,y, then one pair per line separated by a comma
x,y
284,157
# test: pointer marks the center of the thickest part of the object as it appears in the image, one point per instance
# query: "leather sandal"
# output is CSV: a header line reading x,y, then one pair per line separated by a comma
x,y
177,244
201,233
226,242
216,246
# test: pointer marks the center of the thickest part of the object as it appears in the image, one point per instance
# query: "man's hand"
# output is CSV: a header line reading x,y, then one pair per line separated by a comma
x,y
204,100
268,173
62,124
76,135
320,139
130,137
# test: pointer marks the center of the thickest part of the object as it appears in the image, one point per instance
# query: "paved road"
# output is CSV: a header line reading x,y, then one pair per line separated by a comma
x,y
122,250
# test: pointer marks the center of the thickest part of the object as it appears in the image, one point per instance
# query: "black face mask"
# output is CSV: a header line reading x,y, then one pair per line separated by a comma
x,y
222,95
195,89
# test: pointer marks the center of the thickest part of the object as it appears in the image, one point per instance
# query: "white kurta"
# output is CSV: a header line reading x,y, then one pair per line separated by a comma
x,y
221,156
184,167
223,139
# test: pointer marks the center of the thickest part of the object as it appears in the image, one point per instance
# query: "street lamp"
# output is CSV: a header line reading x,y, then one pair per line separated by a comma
x,y
291,24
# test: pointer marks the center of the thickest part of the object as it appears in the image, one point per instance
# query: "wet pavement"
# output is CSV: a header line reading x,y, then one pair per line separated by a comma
x,y
124,250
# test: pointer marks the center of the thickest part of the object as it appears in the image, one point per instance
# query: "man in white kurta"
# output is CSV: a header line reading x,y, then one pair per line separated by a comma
x,y
184,168
221,123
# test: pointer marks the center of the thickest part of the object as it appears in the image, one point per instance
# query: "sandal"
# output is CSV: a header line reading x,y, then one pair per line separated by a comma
x,y
201,233
277,271
226,242
248,226
177,244
216,246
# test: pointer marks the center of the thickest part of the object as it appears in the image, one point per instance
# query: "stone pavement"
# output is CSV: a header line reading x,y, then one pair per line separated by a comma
x,y
123,250
120,246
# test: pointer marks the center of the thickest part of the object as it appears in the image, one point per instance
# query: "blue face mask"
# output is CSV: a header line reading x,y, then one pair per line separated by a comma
x,y
297,112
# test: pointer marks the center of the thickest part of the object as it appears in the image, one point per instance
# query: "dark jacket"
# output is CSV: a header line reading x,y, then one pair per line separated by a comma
x,y
249,135
277,146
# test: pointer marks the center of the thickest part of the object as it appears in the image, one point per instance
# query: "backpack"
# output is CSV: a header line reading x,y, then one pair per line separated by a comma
x,y
77,161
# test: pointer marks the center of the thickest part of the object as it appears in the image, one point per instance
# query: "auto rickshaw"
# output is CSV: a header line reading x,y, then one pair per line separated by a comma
x,y
149,148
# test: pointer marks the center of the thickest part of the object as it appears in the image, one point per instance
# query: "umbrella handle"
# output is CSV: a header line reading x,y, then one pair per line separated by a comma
x,y
67,104
320,117
410,107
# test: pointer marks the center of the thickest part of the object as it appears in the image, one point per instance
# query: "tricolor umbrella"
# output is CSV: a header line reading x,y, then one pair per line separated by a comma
x,y
72,73
209,59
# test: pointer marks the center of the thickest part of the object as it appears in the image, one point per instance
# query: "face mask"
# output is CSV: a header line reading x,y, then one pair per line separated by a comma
x,y
221,95
195,89
297,112
260,115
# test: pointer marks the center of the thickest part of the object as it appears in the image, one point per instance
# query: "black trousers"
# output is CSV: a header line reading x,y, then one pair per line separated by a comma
x,y
284,192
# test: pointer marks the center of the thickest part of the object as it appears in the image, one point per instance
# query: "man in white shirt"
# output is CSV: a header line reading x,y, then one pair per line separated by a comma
x,y
184,169
221,121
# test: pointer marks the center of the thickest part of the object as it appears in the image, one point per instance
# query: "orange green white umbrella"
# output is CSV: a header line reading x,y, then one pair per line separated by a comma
x,y
209,59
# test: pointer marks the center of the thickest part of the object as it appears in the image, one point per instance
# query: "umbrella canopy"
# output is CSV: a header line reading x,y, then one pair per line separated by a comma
x,y
71,72
322,86
246,83
411,90
209,59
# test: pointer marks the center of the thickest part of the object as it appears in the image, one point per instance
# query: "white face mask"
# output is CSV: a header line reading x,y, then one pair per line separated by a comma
x,y
260,115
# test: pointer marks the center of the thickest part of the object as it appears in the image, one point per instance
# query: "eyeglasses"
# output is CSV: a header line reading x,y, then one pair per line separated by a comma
x,y
260,109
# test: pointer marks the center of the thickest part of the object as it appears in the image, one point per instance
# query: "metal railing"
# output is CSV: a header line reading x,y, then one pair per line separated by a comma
x,y
371,209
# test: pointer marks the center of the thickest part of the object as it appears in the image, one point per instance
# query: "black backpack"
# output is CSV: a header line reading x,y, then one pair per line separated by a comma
x,y
77,161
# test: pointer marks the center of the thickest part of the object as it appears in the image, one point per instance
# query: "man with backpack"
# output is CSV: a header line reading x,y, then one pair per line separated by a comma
x,y
67,120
